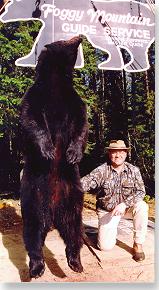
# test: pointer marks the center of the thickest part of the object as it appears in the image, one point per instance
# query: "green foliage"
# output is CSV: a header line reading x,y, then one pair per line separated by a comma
x,y
84,85
147,198
119,105
16,40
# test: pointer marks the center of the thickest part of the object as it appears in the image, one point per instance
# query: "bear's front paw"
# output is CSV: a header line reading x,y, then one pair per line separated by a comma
x,y
47,150
74,262
48,154
36,268
73,155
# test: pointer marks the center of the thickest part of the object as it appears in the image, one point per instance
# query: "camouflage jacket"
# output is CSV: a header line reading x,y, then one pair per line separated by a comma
x,y
113,188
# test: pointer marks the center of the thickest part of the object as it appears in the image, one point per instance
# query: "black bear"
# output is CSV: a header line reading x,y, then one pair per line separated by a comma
x,y
54,126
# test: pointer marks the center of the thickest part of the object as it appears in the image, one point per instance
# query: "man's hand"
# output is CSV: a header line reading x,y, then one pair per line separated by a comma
x,y
119,209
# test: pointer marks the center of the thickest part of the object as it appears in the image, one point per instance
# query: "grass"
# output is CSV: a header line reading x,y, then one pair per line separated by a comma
x,y
151,204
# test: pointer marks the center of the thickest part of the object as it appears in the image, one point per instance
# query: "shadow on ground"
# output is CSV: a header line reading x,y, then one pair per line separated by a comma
x,y
91,233
11,230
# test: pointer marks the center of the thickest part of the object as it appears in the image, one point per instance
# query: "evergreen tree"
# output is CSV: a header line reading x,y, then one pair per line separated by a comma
x,y
16,40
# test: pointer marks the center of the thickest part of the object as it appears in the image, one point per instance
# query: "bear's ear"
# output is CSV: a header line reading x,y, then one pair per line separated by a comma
x,y
51,47
46,47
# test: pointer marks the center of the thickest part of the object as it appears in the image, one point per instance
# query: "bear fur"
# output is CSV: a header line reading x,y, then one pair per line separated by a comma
x,y
54,126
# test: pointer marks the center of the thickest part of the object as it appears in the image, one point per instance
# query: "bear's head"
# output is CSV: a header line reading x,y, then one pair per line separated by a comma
x,y
58,57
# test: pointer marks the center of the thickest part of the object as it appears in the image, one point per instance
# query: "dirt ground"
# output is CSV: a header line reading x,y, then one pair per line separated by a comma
x,y
116,265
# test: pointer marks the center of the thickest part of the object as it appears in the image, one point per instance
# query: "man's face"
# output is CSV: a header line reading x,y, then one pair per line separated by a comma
x,y
117,156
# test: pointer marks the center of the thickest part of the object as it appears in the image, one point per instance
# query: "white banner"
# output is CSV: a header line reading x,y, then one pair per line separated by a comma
x,y
108,26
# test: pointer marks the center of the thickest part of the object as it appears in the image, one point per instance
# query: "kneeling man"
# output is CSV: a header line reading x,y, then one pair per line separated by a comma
x,y
121,193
